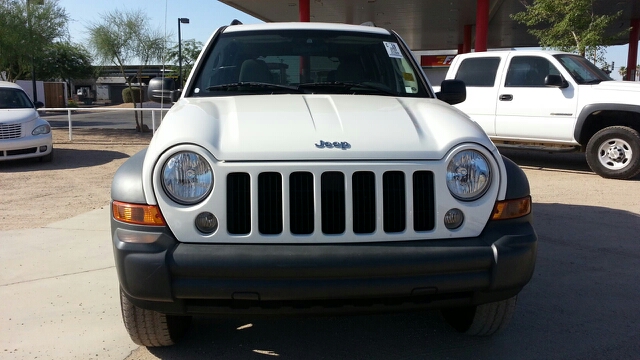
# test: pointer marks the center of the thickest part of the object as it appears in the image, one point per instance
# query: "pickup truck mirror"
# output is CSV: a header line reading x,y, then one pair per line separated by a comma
x,y
160,89
452,92
556,80
175,95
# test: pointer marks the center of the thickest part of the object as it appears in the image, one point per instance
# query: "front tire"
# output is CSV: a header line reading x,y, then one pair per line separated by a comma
x,y
151,328
614,152
481,320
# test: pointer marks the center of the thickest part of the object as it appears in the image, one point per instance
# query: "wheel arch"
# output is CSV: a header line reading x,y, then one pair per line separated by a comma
x,y
596,117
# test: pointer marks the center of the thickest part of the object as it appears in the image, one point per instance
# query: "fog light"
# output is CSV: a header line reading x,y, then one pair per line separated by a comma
x,y
453,219
206,223
43,148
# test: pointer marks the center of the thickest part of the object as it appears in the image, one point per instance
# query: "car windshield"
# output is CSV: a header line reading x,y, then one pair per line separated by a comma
x,y
582,70
14,99
306,61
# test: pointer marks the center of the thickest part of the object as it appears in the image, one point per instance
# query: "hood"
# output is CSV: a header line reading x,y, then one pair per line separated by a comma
x,y
316,127
618,85
12,116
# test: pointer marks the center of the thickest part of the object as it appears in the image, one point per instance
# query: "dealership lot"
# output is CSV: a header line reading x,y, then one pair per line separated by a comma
x,y
59,289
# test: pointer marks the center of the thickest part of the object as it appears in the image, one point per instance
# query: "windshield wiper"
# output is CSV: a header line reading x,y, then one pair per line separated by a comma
x,y
248,85
594,81
347,85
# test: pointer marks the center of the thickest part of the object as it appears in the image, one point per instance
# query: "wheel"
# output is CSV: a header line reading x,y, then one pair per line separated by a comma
x,y
614,152
48,157
481,320
151,328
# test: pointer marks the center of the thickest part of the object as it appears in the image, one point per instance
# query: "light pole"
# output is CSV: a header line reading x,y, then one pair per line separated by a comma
x,y
180,21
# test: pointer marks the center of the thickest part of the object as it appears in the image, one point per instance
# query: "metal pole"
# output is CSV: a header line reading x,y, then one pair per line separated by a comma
x,y
70,127
179,55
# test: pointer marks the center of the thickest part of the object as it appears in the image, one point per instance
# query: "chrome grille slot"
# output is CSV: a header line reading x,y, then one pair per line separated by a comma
x,y
301,204
270,203
423,201
394,202
238,203
332,195
364,202
10,131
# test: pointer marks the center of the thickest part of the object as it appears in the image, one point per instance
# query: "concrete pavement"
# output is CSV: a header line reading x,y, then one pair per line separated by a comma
x,y
59,292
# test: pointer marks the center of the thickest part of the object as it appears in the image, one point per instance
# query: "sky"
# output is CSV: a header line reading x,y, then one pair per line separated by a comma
x,y
205,17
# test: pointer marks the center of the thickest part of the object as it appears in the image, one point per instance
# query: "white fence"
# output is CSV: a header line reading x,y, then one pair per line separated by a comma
x,y
154,119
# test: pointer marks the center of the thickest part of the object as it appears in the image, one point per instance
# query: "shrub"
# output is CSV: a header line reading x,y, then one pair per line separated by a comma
x,y
72,103
131,95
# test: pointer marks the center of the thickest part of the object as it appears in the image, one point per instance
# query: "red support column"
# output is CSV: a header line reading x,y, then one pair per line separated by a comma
x,y
482,25
305,11
632,58
305,16
466,44
460,48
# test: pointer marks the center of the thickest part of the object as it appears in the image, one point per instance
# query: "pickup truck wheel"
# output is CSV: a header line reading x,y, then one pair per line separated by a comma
x,y
614,152
481,320
151,328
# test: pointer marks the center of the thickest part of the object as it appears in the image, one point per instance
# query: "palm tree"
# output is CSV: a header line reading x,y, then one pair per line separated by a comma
x,y
622,70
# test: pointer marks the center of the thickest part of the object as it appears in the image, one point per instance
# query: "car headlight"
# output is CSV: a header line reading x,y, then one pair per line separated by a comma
x,y
468,175
42,129
187,178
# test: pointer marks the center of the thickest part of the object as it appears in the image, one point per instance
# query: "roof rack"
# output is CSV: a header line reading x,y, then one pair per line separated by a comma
x,y
236,22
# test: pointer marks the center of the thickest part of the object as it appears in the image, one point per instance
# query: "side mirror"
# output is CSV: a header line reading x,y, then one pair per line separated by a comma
x,y
556,80
39,104
452,92
160,89
175,95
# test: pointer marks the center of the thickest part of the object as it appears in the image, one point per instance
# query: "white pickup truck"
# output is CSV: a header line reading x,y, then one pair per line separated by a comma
x,y
553,101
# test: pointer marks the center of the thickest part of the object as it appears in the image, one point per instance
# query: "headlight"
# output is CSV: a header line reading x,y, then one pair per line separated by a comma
x,y
468,175
42,129
187,178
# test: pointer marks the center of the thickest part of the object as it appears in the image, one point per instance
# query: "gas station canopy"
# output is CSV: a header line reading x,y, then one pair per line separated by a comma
x,y
429,24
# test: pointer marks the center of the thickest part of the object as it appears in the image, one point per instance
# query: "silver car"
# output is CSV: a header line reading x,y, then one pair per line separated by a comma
x,y
23,134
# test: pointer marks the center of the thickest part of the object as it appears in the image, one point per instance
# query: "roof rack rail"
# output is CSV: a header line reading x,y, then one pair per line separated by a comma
x,y
236,22
368,23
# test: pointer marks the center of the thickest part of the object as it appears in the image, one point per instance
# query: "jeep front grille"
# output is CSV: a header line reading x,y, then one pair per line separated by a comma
x,y
279,198
10,131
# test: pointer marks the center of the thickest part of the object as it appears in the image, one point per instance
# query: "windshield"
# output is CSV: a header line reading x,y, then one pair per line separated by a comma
x,y
306,61
14,99
582,70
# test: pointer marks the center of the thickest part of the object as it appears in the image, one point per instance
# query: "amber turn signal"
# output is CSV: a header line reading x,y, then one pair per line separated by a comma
x,y
511,209
137,214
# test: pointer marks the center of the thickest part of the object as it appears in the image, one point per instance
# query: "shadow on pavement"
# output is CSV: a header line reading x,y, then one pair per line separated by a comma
x,y
567,162
580,304
63,159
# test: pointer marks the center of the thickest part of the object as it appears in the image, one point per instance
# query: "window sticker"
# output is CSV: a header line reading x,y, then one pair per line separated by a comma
x,y
393,50
408,76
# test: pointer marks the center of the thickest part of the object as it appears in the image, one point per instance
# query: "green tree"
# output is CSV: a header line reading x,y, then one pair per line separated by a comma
x,y
27,30
65,61
622,70
190,51
122,38
569,25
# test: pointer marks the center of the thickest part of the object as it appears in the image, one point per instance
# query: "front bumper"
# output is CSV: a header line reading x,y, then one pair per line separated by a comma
x,y
25,147
181,278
